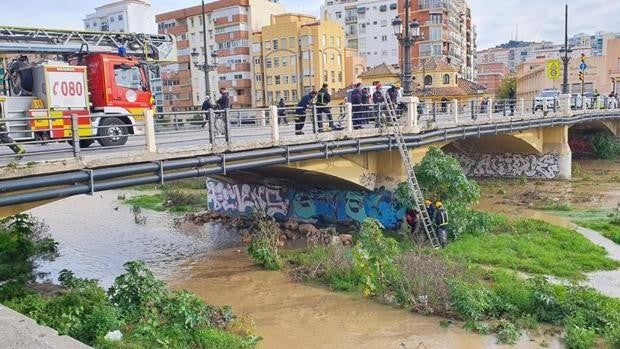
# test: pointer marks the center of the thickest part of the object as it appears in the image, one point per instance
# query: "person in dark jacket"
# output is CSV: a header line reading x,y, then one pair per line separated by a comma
x,y
413,220
224,101
378,100
441,221
444,105
366,106
322,102
282,112
356,101
18,149
206,107
305,102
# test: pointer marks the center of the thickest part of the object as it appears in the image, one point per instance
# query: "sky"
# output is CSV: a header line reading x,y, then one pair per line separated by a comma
x,y
496,20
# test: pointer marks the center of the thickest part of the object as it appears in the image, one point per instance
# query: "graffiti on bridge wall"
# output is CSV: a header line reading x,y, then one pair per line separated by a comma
x,y
312,204
509,165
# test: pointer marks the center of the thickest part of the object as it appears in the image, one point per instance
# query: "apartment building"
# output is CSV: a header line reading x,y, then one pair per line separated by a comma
x,y
491,76
129,16
368,27
229,24
532,76
449,33
295,54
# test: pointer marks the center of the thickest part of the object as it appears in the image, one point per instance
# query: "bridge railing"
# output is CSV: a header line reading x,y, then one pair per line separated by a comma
x,y
215,131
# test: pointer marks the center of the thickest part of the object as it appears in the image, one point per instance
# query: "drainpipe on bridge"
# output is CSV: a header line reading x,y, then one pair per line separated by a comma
x,y
149,127
348,109
275,127
455,106
490,111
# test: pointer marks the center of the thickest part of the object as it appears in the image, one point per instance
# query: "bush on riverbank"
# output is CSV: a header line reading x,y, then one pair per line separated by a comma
x,y
605,146
173,200
263,246
140,306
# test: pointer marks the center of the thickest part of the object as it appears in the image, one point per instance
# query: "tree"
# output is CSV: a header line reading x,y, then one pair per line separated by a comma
x,y
508,88
441,178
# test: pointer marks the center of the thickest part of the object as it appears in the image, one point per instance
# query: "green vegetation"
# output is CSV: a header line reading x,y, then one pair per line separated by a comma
x,y
508,88
138,305
174,200
263,247
605,146
610,229
533,246
604,221
554,206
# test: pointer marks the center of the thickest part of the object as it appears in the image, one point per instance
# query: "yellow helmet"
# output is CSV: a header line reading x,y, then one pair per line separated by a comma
x,y
397,84
438,204
427,202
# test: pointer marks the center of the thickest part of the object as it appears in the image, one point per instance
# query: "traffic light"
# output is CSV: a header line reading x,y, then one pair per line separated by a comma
x,y
581,75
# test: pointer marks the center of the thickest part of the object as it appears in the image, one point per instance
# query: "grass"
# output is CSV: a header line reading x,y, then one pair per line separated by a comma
x,y
170,200
555,206
191,183
535,247
600,220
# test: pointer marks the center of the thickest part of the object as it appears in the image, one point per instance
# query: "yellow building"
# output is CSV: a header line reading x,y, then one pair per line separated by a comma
x,y
384,73
435,80
295,54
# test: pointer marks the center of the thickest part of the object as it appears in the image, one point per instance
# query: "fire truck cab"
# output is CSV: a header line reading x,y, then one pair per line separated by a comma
x,y
107,90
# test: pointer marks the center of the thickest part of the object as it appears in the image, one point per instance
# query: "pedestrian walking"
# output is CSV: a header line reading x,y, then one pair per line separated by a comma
x,y
323,99
303,104
206,107
282,112
356,102
224,101
441,221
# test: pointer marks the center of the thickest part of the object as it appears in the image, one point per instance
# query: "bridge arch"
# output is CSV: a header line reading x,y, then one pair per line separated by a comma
x,y
530,142
612,127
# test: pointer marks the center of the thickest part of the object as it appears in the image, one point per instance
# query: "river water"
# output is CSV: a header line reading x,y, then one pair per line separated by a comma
x,y
97,235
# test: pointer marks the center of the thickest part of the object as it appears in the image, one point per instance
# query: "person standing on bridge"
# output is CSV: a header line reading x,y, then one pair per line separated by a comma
x,y
305,102
18,149
224,101
206,107
282,112
356,101
441,221
322,102
378,100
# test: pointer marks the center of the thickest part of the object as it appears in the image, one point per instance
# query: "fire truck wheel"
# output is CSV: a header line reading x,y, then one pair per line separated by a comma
x,y
113,132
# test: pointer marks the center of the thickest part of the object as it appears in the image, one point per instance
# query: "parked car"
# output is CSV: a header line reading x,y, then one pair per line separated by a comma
x,y
551,98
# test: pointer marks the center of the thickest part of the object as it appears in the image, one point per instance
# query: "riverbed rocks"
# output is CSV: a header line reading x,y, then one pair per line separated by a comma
x,y
287,232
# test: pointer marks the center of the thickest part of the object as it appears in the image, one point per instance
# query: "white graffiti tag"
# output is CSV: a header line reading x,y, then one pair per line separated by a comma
x,y
509,165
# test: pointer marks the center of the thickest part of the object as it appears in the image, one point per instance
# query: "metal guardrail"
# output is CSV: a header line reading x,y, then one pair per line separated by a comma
x,y
99,179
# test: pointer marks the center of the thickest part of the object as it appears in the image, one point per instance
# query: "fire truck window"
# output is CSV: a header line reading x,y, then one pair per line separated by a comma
x,y
128,77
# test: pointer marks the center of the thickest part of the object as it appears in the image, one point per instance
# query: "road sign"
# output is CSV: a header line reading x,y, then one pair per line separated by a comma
x,y
583,66
553,69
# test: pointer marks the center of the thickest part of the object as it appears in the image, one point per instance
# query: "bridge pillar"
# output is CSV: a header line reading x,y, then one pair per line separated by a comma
x,y
275,125
490,111
455,105
565,104
149,126
349,117
522,106
411,116
555,140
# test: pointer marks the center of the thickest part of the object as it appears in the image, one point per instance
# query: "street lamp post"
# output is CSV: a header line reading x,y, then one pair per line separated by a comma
x,y
206,68
407,34
566,51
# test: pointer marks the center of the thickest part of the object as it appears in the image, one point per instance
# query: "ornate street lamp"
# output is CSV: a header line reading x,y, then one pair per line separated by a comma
x,y
407,33
205,67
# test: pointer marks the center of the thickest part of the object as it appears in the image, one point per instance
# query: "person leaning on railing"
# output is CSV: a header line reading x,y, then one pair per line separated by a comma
x,y
303,104
18,149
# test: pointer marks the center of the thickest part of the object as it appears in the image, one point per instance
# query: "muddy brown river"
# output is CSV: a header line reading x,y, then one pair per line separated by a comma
x,y
208,261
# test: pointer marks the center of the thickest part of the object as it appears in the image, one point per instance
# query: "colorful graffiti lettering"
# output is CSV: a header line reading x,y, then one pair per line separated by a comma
x,y
509,165
312,204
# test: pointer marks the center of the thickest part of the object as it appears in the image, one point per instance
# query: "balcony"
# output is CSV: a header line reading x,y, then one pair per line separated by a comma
x,y
350,19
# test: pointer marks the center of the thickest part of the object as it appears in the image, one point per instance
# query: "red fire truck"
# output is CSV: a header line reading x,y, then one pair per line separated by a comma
x,y
103,78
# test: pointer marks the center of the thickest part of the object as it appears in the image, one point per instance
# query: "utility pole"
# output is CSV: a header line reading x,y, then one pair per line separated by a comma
x,y
566,51
204,42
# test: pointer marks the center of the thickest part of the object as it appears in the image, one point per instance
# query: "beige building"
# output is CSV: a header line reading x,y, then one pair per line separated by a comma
x,y
354,66
296,54
532,75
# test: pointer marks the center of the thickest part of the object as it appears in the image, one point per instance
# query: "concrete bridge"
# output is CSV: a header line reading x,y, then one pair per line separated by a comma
x,y
249,147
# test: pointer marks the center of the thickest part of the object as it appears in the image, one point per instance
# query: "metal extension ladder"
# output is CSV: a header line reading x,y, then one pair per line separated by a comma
x,y
412,180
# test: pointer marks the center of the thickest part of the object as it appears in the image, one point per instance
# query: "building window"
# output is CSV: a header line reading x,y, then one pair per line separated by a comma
x,y
384,38
435,34
293,61
332,40
446,79
339,76
284,61
277,79
338,15
267,45
293,78
120,17
325,77
276,62
294,94
333,76
87,25
428,80
238,76
275,44
384,22
269,80
382,8
292,43
393,6
283,43
267,62
258,77
285,79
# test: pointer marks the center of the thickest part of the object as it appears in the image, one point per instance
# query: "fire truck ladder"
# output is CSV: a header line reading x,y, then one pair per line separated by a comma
x,y
152,47
412,180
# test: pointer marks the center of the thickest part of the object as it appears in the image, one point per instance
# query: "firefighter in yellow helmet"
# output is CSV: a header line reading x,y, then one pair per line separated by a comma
x,y
429,208
441,221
